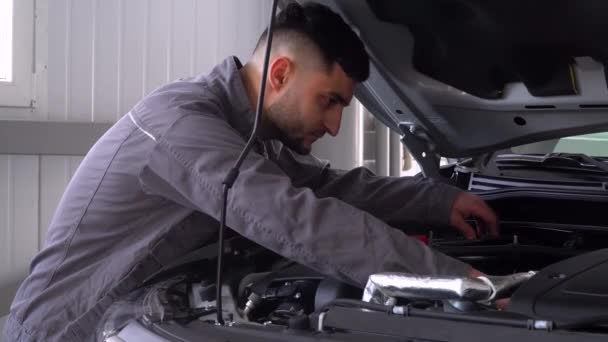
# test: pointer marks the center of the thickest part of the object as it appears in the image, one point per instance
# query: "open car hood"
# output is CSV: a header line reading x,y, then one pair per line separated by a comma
x,y
469,77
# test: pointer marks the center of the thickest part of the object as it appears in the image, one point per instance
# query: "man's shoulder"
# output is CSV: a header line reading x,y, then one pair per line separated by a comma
x,y
187,94
215,99
164,106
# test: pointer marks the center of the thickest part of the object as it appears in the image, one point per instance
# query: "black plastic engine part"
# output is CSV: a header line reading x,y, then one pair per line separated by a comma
x,y
280,296
572,290
331,289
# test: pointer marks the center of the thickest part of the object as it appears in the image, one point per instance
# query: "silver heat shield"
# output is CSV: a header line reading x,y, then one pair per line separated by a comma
x,y
384,288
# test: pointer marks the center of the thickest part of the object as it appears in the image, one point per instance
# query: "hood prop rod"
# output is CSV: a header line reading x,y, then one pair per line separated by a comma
x,y
234,172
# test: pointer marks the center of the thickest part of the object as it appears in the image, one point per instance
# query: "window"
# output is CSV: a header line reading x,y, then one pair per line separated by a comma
x,y
6,40
16,52
594,145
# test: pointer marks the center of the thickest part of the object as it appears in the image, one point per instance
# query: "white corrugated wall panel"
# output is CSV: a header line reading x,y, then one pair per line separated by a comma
x,y
157,33
103,56
131,83
18,220
80,59
106,31
57,60
207,35
181,51
41,42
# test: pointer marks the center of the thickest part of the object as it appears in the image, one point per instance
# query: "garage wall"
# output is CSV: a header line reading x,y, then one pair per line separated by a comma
x,y
94,60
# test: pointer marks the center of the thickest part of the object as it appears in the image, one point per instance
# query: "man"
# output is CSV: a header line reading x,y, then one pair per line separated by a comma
x,y
150,190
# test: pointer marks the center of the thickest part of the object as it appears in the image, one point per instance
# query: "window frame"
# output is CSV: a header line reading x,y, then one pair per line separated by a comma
x,y
19,92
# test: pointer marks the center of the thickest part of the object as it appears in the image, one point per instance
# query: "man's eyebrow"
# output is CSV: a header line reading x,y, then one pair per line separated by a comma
x,y
339,98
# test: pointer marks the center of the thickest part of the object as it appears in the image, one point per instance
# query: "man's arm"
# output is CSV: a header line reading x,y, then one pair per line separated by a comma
x,y
190,161
395,200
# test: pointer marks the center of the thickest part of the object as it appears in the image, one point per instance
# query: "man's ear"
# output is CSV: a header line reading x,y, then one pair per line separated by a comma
x,y
279,72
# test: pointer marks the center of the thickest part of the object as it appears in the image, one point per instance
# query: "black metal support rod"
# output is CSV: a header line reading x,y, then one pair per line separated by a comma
x,y
234,172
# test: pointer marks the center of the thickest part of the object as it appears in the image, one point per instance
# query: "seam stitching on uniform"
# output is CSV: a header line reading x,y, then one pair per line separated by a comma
x,y
75,229
20,324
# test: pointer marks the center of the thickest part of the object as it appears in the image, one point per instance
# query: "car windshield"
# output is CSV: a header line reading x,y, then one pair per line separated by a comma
x,y
594,145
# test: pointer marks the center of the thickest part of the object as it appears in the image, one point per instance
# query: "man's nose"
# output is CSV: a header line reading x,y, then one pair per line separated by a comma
x,y
332,122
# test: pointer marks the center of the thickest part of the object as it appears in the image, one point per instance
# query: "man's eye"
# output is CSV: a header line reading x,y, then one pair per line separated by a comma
x,y
330,101
325,102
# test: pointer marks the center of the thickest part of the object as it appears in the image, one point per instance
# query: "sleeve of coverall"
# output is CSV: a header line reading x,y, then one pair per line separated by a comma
x,y
190,161
395,200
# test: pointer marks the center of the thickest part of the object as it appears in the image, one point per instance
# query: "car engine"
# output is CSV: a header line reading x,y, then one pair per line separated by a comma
x,y
538,233
264,288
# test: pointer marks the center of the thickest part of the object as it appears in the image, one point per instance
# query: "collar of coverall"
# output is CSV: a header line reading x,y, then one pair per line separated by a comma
x,y
239,113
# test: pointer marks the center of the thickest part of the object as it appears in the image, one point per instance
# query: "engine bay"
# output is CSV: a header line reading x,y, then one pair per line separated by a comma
x,y
263,289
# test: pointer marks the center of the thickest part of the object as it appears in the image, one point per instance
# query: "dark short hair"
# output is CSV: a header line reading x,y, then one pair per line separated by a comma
x,y
327,30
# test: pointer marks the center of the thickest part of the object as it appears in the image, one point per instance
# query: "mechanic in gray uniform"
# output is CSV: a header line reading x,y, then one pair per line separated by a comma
x,y
150,190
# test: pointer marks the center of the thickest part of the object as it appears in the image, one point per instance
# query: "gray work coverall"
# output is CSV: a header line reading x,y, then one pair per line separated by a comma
x,y
150,190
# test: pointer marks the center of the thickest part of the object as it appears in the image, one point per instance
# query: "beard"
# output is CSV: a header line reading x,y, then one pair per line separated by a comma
x,y
286,122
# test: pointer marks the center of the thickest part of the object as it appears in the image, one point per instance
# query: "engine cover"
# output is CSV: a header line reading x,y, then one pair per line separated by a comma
x,y
570,290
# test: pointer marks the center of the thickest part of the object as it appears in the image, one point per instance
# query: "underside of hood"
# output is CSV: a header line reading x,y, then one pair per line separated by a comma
x,y
467,77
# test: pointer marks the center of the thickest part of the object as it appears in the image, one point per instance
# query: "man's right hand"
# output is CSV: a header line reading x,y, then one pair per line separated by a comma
x,y
501,304
467,205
